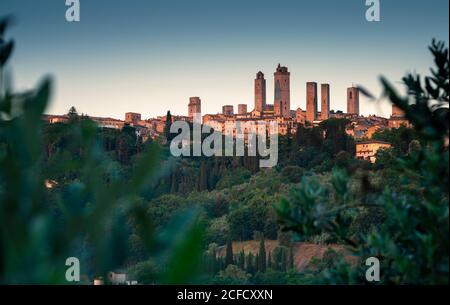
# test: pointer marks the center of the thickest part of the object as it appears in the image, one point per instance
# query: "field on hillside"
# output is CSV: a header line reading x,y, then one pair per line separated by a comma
x,y
303,252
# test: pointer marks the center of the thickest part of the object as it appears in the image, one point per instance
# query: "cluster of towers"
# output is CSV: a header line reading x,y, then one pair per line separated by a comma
x,y
282,95
282,99
281,106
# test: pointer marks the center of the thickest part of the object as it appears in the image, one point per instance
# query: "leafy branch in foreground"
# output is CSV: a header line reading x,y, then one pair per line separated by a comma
x,y
87,216
410,234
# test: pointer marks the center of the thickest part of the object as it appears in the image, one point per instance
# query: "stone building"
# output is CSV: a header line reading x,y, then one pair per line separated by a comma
x,y
300,116
132,118
367,150
398,119
194,106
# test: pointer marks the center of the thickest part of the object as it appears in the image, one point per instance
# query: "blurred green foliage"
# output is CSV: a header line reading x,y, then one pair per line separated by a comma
x,y
68,198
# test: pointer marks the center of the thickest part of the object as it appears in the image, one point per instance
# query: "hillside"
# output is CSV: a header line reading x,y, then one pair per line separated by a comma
x,y
303,252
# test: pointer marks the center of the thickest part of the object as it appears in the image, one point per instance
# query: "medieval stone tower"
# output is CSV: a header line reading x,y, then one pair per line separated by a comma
x,y
194,106
353,100
282,102
311,101
260,92
242,108
227,110
325,104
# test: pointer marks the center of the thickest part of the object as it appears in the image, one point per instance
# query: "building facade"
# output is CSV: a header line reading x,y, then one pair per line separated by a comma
x,y
132,118
367,150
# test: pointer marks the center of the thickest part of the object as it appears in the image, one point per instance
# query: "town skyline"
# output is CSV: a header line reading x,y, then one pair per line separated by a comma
x,y
261,112
269,100
150,56
317,95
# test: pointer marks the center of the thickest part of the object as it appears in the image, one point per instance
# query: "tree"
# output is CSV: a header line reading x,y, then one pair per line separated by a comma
x,y
232,275
284,238
398,137
72,114
269,261
262,256
203,177
291,264
280,258
241,260
229,256
256,266
91,216
336,139
167,125
250,263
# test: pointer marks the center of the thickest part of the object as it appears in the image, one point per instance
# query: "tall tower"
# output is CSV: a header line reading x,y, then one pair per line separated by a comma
x,y
242,109
282,102
227,110
194,106
325,98
353,100
260,92
311,101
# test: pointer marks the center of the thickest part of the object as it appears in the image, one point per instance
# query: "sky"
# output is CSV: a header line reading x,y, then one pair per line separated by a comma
x,y
150,56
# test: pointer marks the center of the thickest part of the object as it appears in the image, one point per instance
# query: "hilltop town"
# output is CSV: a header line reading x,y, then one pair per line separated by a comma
x,y
360,127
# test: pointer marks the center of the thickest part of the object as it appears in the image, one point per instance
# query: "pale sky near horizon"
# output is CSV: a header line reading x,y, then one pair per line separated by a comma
x,y
150,56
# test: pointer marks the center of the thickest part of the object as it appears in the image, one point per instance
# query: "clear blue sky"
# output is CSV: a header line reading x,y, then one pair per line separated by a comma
x,y
150,56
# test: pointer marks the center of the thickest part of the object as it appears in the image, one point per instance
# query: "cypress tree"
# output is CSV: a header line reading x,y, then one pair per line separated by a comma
x,y
291,259
229,257
174,182
167,126
269,261
242,260
220,263
283,261
262,256
250,263
215,265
